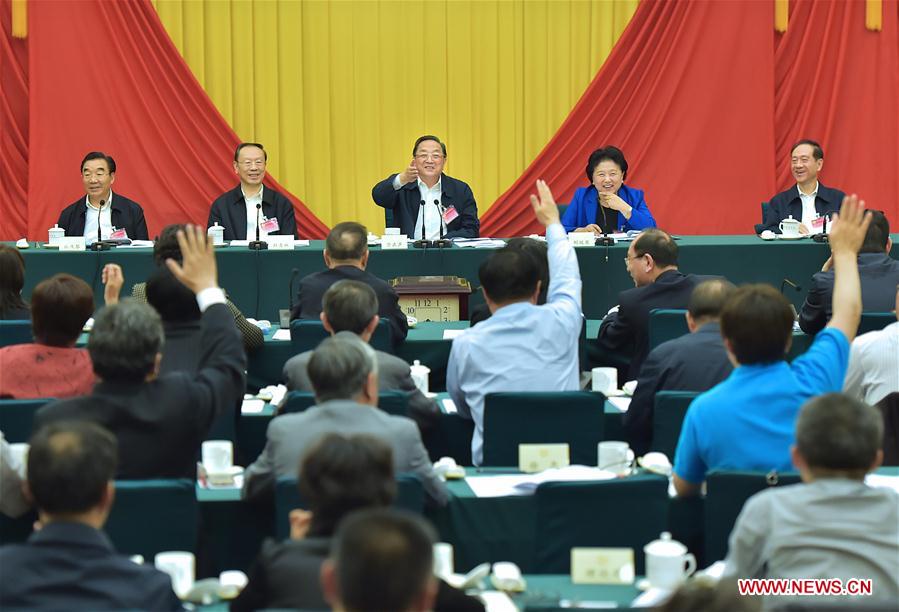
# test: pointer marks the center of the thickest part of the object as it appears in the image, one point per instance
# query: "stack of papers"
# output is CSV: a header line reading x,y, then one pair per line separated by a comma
x,y
479,243
526,484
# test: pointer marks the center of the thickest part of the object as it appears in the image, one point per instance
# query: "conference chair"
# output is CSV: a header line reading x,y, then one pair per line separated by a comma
x,y
555,417
306,334
622,512
391,402
760,227
152,516
670,408
17,418
410,495
726,492
15,332
874,321
666,324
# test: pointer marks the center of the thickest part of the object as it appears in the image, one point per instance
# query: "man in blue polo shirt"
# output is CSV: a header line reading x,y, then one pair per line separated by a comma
x,y
748,420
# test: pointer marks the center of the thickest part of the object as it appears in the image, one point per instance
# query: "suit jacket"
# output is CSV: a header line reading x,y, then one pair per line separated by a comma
x,y
312,290
72,566
629,327
286,576
230,210
160,424
291,435
126,214
393,375
879,275
787,203
694,362
405,203
584,207
253,337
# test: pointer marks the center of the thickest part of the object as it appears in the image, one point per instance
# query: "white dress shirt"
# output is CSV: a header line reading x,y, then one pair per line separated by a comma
x,y
433,215
522,347
809,212
874,365
251,202
90,220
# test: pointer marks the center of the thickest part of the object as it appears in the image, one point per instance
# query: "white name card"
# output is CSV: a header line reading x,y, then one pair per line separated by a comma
x,y
602,565
71,243
538,457
393,241
581,239
279,243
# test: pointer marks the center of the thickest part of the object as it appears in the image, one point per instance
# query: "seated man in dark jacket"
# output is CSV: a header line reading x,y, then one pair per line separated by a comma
x,y
695,362
70,564
160,421
340,475
878,272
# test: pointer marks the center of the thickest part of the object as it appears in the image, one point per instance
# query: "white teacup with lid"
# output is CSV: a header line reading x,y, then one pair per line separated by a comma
x,y
54,234
218,234
667,562
789,227
420,375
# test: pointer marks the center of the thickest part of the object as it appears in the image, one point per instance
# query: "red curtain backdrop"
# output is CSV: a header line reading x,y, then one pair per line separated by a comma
x,y
706,100
105,76
13,129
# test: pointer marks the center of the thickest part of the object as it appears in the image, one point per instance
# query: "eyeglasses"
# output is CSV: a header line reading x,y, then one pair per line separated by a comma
x,y
628,258
429,156
253,163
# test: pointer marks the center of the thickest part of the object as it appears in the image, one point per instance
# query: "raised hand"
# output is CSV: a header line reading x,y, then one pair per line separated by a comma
x,y
409,174
197,270
847,232
113,279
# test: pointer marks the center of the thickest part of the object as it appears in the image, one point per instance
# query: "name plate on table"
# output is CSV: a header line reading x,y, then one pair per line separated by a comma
x,y
394,241
602,565
279,243
70,243
538,457
581,239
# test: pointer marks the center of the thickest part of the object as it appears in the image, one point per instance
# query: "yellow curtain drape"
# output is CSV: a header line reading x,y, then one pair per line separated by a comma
x,y
337,91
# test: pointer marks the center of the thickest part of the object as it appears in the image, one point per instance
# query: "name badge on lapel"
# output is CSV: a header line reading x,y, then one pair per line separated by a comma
x,y
269,226
450,214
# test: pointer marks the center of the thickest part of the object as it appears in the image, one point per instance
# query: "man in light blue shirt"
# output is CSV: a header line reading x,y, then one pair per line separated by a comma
x,y
522,346
747,421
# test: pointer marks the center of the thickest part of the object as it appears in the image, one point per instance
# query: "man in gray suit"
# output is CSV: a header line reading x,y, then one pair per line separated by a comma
x,y
344,376
351,308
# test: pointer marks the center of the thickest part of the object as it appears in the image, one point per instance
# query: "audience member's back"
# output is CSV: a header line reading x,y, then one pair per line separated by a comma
x,y
177,307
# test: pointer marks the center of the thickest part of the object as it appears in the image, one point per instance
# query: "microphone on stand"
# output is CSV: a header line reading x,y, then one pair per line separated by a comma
x,y
442,242
423,242
258,245
99,245
605,239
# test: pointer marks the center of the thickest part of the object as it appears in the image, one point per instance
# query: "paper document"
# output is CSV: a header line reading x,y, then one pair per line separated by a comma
x,y
479,243
449,406
651,598
281,334
497,486
252,406
621,403
137,244
449,334
239,242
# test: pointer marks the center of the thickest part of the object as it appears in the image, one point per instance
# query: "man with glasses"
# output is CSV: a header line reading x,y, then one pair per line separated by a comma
x,y
652,263
425,201
237,210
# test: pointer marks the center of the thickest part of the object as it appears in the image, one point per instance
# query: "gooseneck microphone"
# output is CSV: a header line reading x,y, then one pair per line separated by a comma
x,y
442,242
605,239
258,245
99,245
789,282
423,242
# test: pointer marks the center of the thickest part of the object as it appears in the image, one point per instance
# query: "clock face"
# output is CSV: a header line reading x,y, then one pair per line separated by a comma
x,y
431,307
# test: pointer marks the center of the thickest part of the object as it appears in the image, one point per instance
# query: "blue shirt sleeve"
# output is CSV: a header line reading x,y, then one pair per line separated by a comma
x,y
822,368
688,462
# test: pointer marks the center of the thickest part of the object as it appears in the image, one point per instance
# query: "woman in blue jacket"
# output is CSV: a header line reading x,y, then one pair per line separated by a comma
x,y
607,205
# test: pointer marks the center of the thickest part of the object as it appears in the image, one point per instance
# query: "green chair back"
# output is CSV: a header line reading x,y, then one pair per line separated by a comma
x,y
669,410
392,402
571,417
410,495
17,418
873,321
15,332
152,516
306,334
623,512
726,492
666,324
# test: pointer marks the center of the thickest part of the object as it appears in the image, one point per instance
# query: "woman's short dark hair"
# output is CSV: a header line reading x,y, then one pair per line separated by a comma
x,y
60,306
758,322
608,152
12,280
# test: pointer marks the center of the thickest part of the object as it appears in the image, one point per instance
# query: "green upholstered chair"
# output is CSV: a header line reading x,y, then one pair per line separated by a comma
x,y
726,492
152,516
392,402
410,495
572,417
306,334
15,332
17,418
623,512
669,410
666,324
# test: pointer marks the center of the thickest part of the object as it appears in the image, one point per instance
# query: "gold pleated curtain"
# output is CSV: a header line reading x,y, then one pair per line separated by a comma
x,y
337,91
